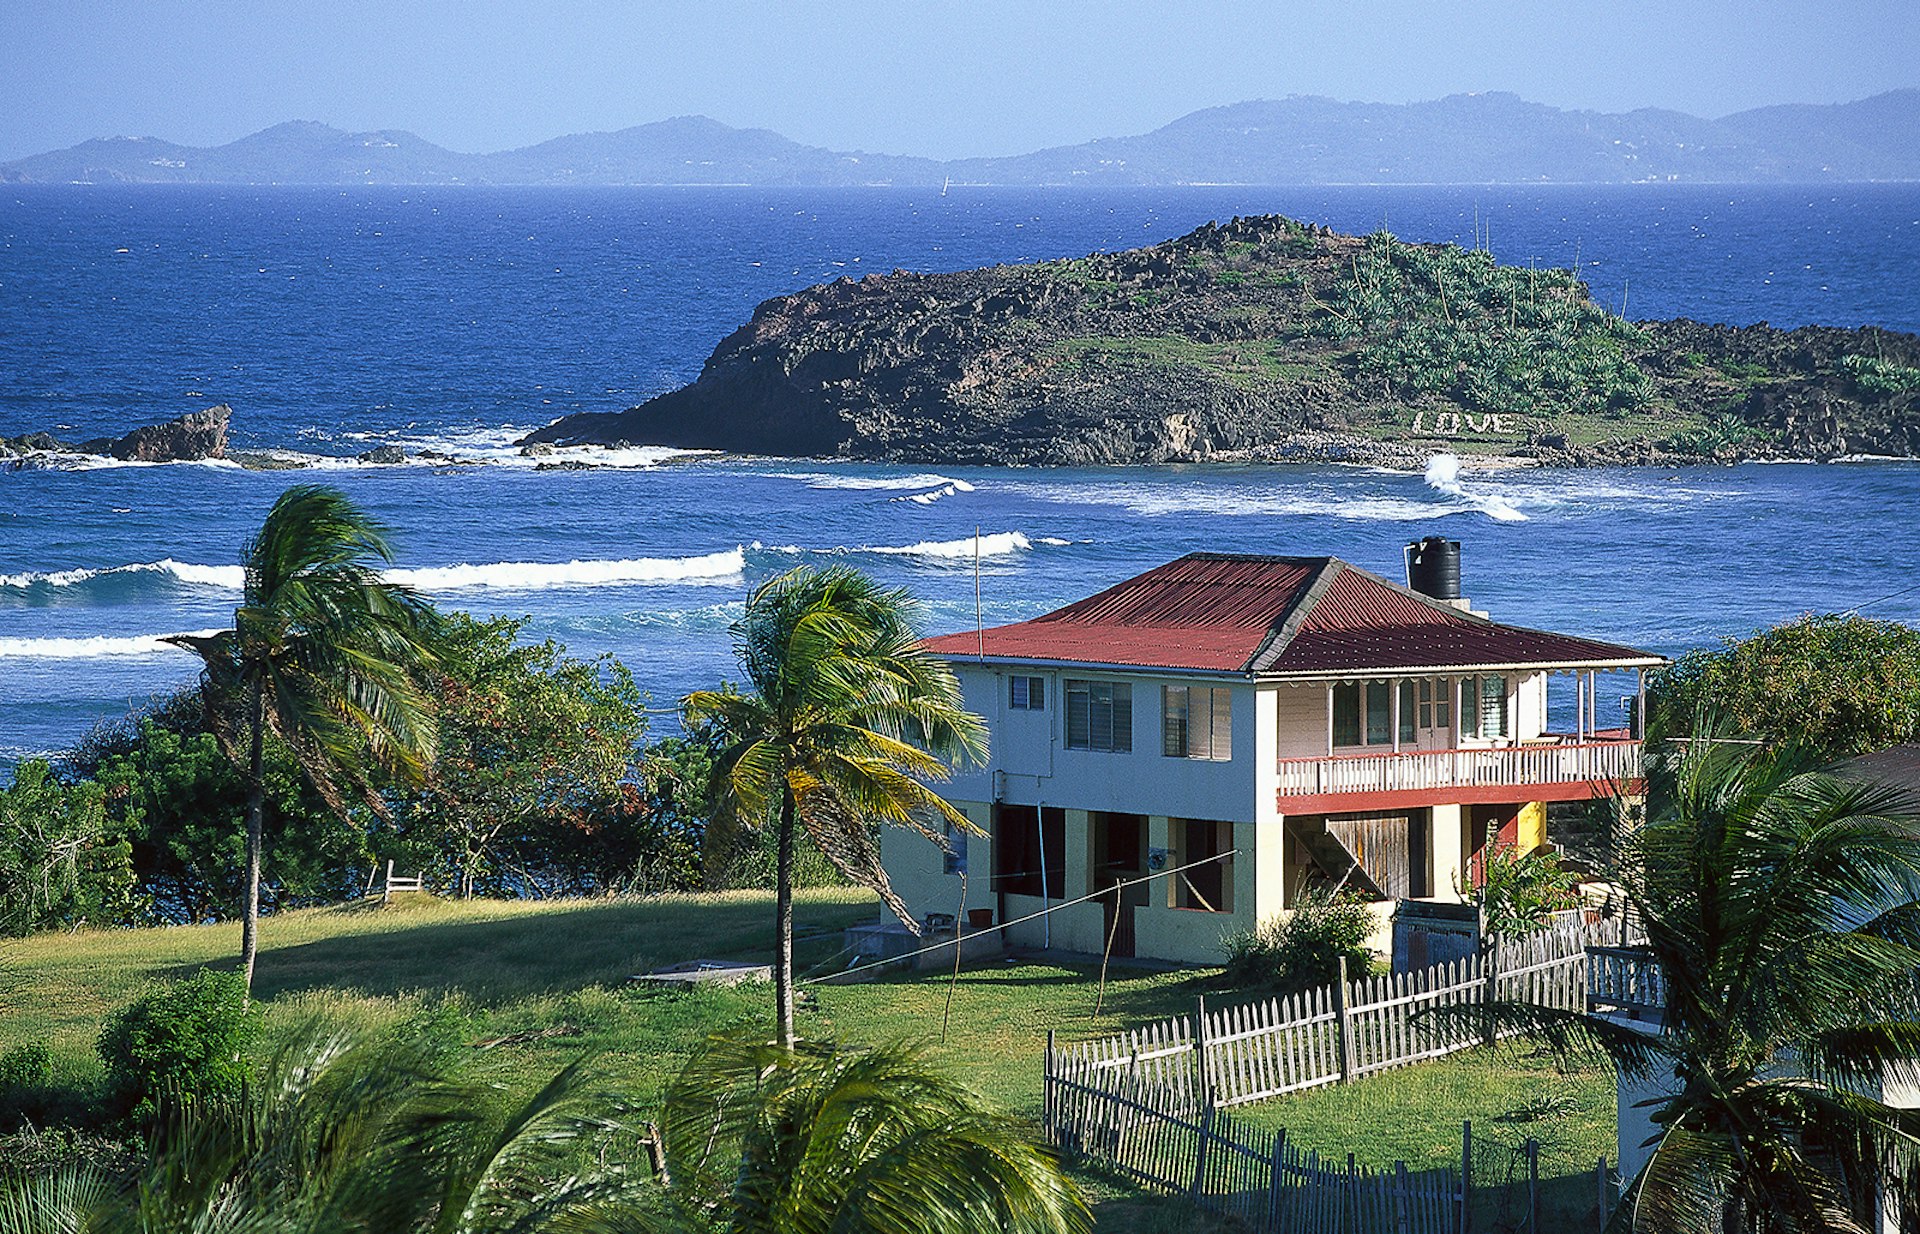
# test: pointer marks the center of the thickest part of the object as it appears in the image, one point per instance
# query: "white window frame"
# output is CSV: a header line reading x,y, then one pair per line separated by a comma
x,y
1196,722
1117,699
1026,692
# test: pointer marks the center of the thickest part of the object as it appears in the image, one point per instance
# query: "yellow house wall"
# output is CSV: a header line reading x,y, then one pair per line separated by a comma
x,y
1531,832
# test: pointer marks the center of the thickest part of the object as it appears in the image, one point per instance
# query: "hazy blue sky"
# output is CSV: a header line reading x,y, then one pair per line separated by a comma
x,y
937,78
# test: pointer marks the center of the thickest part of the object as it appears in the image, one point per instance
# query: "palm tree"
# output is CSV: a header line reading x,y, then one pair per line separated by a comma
x,y
323,656
353,1131
849,720
1782,907
764,1139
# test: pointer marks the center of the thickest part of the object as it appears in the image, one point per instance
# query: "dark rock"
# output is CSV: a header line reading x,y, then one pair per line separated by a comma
x,y
388,453
196,435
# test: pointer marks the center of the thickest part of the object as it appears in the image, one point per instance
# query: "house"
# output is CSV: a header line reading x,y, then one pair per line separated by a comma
x,y
1249,726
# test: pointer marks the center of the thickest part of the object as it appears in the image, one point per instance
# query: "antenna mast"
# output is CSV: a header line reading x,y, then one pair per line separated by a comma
x,y
979,623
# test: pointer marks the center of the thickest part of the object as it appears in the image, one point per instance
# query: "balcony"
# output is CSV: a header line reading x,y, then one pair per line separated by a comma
x,y
1546,772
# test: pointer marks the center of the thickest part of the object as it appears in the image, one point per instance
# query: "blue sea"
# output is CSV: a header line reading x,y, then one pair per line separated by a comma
x,y
455,319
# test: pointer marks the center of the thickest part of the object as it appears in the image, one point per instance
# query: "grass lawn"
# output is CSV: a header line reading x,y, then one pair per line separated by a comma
x,y
537,984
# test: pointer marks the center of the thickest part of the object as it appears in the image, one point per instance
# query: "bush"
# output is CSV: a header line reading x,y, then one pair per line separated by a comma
x,y
186,1041
1522,891
26,1073
1302,949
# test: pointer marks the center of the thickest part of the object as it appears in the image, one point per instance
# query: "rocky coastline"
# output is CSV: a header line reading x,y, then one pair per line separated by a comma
x,y
1265,339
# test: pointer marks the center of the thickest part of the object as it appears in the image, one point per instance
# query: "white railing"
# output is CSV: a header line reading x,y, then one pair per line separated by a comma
x,y
1625,980
1597,761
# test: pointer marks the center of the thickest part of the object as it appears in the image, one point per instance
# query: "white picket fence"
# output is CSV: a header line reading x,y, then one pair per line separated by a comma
x,y
1228,1056
1255,1176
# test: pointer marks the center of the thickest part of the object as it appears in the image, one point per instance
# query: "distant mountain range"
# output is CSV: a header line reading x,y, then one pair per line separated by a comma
x,y
1461,139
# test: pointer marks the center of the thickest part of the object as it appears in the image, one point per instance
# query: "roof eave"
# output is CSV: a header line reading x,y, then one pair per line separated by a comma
x,y
1435,670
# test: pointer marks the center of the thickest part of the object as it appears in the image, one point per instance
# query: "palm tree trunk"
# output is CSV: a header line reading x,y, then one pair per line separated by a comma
x,y
783,917
256,800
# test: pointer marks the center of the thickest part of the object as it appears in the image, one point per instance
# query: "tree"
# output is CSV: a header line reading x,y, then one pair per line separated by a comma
x,y
1521,892
182,804
1782,907
323,655
1838,684
61,862
848,720
764,1139
534,746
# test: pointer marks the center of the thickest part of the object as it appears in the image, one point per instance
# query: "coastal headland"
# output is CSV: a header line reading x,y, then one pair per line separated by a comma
x,y
1265,338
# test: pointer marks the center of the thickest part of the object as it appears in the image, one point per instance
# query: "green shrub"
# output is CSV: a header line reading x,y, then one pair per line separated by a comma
x,y
186,1040
27,1091
1522,891
1302,949
26,1066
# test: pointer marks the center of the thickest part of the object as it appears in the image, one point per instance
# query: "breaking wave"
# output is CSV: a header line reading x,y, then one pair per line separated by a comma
x,y
995,544
1443,476
93,647
498,575
925,480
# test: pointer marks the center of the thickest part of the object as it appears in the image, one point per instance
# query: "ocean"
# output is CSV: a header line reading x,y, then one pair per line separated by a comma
x,y
455,319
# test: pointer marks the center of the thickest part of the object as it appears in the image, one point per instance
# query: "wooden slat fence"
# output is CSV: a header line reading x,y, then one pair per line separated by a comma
x,y
1232,1055
1247,1173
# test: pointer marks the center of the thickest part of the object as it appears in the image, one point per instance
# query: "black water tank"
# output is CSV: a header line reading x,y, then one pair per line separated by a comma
x,y
1433,567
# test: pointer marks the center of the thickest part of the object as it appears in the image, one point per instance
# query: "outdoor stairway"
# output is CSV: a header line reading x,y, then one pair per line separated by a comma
x,y
1336,859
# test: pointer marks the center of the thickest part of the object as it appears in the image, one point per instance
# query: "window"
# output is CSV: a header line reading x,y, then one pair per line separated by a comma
x,y
1364,714
1409,711
954,860
1100,716
1030,851
1207,888
1483,706
1436,704
1027,693
1379,714
1197,722
1346,714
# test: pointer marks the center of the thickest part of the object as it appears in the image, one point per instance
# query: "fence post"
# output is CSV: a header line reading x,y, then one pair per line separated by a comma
x,y
1533,1186
1466,1173
1200,1154
1278,1180
1047,1119
1600,1193
1343,1009
1491,1033
1200,1051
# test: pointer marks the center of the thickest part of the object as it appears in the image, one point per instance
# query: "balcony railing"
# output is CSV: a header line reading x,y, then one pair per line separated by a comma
x,y
1588,762
1625,981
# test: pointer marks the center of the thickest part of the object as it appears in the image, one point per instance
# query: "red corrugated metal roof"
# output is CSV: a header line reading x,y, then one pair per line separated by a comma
x,y
1221,612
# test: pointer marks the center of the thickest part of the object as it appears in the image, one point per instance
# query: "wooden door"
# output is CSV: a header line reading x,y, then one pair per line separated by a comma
x,y
1119,856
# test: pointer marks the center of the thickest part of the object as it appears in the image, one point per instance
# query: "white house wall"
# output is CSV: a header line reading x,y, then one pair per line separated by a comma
x,y
1035,768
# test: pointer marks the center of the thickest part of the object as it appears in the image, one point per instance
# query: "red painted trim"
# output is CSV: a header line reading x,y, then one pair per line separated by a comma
x,y
1478,794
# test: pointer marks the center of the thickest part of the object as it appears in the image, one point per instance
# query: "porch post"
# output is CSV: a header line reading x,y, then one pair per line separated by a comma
x,y
1640,703
1393,687
1330,689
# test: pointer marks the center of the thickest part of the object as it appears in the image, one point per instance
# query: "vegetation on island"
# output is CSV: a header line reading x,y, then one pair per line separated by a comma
x,y
1267,338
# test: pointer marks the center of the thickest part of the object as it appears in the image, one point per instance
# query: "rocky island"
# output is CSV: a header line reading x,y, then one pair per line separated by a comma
x,y
196,436
1268,339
